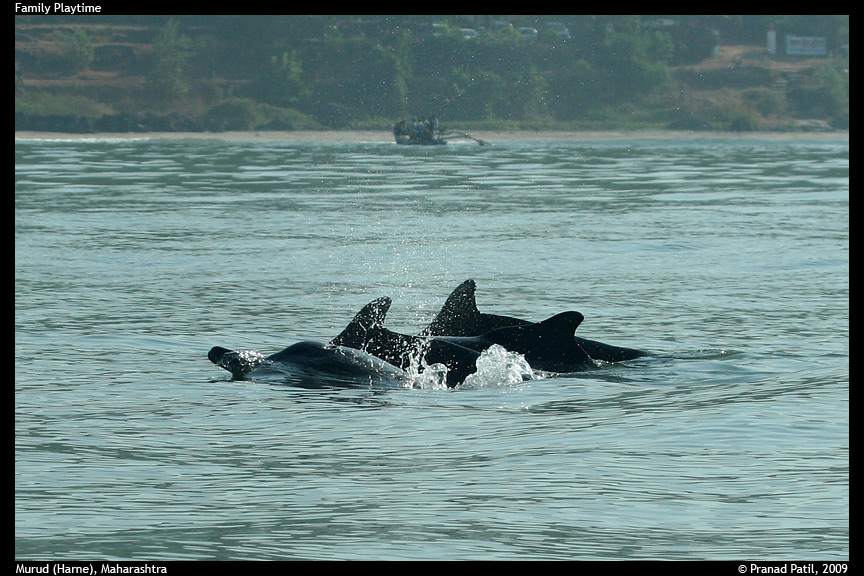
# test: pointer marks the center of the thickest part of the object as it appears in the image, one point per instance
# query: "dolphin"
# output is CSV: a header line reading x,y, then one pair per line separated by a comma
x,y
238,362
548,345
310,363
364,350
305,360
366,332
459,316
456,337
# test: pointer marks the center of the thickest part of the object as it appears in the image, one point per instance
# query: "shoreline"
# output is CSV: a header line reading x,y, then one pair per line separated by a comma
x,y
383,136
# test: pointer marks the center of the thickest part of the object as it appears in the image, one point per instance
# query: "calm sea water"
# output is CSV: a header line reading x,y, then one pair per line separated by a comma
x,y
729,258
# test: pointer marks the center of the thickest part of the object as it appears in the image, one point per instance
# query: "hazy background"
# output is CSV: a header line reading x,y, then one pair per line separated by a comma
x,y
119,73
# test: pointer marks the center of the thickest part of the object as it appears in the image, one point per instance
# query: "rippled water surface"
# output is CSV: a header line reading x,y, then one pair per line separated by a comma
x,y
727,258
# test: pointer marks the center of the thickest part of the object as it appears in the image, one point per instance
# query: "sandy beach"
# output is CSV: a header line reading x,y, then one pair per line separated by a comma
x,y
375,136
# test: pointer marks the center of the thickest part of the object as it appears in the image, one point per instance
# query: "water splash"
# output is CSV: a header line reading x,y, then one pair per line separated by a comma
x,y
433,377
497,367
422,375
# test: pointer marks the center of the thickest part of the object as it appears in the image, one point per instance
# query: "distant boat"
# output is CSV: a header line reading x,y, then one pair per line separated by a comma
x,y
426,133
418,133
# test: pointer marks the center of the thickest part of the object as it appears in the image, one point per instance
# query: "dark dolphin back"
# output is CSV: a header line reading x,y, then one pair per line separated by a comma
x,y
548,345
459,316
366,332
310,364
334,360
406,351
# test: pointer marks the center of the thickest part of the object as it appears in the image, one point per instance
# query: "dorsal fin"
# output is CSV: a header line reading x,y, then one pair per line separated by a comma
x,y
558,328
370,316
460,317
373,314
561,325
459,310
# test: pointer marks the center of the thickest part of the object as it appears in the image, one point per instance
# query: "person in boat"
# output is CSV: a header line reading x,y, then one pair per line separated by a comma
x,y
425,130
419,131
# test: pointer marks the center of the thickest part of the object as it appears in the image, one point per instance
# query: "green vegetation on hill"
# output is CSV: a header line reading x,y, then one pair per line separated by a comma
x,y
193,73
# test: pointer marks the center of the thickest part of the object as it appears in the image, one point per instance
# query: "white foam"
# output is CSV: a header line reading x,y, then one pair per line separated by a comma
x,y
425,376
433,377
498,367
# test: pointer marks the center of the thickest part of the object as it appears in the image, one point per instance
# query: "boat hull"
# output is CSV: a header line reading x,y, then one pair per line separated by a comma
x,y
408,141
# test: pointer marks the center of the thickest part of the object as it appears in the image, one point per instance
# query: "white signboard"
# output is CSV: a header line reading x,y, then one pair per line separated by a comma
x,y
806,45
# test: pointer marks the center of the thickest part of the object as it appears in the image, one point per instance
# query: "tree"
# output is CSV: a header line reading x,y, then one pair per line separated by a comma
x,y
695,41
77,46
282,83
573,91
359,77
629,66
821,92
171,53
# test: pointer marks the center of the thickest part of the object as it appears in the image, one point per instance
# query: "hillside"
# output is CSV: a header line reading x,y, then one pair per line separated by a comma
x,y
74,75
